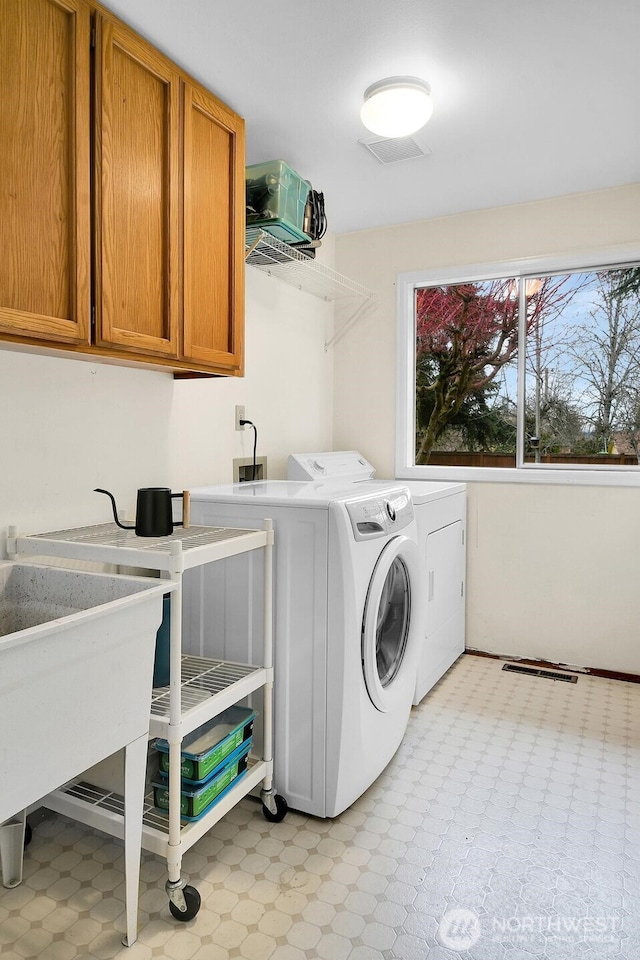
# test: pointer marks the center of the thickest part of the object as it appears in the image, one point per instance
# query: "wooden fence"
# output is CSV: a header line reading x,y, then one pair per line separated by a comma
x,y
464,459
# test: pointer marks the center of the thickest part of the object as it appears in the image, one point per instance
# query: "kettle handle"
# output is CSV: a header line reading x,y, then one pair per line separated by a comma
x,y
115,512
186,508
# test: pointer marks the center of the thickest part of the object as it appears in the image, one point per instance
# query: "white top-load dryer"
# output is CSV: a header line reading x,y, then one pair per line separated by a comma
x,y
441,512
347,625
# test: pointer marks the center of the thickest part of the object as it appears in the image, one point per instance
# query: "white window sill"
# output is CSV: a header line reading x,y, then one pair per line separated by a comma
x,y
623,477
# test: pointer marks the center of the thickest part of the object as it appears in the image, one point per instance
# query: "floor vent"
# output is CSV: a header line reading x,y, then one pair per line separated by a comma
x,y
535,672
393,149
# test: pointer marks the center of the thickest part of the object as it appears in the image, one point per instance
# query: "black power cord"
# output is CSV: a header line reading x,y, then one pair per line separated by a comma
x,y
255,444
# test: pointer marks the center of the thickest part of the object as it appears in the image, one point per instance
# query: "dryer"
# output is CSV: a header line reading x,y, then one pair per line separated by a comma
x,y
441,512
347,625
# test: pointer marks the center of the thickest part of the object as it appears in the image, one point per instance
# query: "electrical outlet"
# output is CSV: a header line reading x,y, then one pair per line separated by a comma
x,y
240,416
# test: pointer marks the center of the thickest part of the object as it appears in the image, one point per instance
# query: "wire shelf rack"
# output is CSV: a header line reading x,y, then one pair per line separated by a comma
x,y
202,679
108,534
291,266
104,809
98,796
108,543
199,688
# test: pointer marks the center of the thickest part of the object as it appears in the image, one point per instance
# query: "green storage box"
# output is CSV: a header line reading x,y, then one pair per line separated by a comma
x,y
195,800
276,200
206,747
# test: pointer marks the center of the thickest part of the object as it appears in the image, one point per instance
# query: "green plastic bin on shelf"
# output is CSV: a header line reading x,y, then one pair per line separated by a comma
x,y
196,799
206,747
276,200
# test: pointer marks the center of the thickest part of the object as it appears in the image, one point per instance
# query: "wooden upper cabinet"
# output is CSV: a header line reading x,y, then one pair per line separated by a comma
x,y
122,189
44,170
136,194
213,232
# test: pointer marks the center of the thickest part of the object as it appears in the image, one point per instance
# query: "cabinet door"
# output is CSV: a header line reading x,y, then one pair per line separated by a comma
x,y
136,194
44,170
213,232
445,575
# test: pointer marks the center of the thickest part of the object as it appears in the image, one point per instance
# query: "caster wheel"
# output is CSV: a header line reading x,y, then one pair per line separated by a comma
x,y
192,900
28,834
281,810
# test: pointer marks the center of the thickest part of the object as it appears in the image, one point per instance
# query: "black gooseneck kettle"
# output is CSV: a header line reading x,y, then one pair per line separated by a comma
x,y
154,516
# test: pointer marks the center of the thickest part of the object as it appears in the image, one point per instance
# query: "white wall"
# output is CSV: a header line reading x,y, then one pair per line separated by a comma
x,y
287,390
553,571
67,426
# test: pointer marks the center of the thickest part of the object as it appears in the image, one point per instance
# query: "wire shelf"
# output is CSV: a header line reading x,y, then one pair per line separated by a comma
x,y
114,803
97,805
110,535
290,265
109,543
201,679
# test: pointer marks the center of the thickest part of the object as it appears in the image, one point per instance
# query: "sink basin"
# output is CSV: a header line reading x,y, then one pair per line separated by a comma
x,y
76,666
31,595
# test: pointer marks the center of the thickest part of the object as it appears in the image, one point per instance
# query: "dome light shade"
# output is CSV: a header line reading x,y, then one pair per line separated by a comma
x,y
396,107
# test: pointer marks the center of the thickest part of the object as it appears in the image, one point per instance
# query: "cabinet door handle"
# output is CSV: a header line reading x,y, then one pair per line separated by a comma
x,y
432,577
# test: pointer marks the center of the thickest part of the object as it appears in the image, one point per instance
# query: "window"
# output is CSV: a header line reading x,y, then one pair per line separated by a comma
x,y
531,369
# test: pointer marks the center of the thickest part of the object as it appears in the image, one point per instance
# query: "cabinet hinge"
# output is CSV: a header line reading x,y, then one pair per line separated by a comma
x,y
462,589
93,316
93,37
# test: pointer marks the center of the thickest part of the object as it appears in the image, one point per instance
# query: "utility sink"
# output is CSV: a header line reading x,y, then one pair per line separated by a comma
x,y
31,594
76,667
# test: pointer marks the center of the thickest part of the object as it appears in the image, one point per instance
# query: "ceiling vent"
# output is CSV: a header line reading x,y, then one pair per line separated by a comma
x,y
394,149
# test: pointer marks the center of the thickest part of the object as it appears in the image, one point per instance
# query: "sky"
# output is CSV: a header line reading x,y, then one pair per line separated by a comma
x,y
574,344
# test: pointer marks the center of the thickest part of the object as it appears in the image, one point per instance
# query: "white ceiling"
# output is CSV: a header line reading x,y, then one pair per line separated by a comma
x,y
533,98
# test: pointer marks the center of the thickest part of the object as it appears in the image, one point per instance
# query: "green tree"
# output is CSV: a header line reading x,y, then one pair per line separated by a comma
x,y
558,425
628,282
465,335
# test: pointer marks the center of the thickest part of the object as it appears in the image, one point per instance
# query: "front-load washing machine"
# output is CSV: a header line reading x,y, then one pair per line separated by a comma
x,y
441,513
347,626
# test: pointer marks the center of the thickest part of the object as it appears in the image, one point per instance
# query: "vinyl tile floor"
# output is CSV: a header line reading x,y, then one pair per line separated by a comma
x,y
506,827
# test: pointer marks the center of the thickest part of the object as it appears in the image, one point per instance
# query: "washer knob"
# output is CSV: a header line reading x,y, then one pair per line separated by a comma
x,y
318,467
391,510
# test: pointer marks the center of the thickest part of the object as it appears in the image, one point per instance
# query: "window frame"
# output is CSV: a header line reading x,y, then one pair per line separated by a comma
x,y
406,285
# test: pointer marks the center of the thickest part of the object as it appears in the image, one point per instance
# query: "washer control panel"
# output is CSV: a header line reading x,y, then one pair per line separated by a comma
x,y
335,465
382,515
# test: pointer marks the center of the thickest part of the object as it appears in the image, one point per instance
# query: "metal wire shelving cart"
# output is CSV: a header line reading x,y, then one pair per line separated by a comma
x,y
199,689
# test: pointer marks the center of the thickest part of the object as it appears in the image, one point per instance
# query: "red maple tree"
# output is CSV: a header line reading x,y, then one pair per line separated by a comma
x,y
465,334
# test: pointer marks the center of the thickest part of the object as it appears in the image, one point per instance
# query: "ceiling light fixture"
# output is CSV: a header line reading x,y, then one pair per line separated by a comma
x,y
397,106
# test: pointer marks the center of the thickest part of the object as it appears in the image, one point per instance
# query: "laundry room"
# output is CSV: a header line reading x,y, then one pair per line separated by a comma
x,y
408,783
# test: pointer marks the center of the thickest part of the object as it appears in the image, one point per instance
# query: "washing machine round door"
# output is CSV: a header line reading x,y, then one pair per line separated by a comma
x,y
386,625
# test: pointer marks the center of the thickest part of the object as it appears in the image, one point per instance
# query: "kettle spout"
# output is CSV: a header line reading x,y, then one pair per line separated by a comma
x,y
113,505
